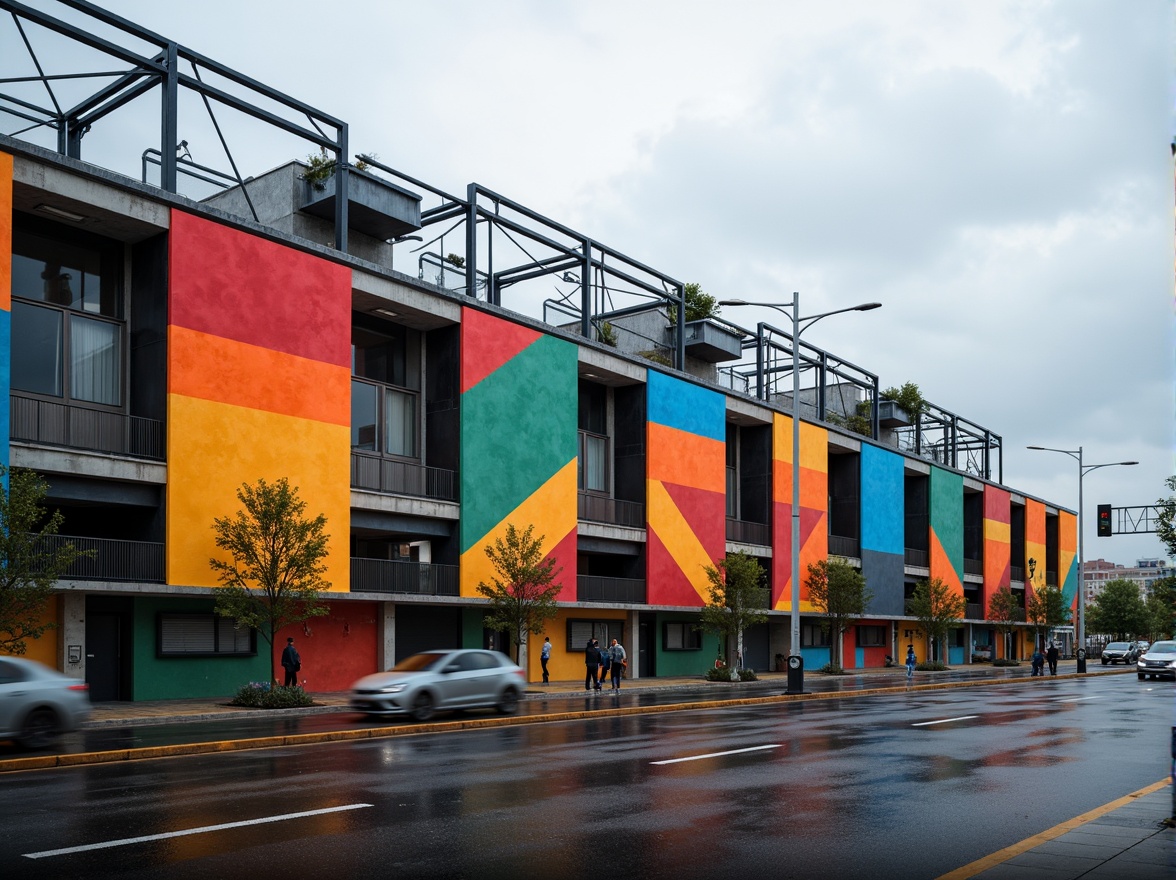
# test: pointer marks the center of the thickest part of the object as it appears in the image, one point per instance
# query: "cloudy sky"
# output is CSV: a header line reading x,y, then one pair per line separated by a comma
x,y
997,174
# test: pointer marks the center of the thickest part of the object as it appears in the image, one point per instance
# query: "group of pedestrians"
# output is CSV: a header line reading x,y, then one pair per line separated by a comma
x,y
601,662
1039,660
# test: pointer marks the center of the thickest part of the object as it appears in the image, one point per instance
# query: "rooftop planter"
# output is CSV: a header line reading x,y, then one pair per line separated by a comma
x,y
375,206
712,342
891,415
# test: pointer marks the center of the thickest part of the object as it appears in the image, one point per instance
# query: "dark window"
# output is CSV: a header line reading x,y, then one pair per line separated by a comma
x,y
202,635
385,391
592,467
812,636
871,636
67,332
681,636
604,631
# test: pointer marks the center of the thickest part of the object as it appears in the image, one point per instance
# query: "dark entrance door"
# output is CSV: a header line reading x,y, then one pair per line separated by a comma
x,y
646,649
103,640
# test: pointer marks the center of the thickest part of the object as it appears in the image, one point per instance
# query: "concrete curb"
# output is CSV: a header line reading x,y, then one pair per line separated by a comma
x,y
83,759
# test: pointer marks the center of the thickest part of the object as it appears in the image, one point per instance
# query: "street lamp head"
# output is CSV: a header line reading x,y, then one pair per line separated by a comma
x,y
1128,462
865,307
1035,447
733,302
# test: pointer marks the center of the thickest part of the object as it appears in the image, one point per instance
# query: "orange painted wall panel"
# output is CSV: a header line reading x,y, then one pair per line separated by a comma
x,y
5,232
228,371
997,541
1034,544
814,502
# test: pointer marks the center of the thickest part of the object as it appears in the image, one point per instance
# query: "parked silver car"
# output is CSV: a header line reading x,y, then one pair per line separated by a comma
x,y
1160,661
422,684
37,704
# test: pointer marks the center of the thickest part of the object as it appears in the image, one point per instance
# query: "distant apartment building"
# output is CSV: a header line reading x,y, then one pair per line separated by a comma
x,y
1096,573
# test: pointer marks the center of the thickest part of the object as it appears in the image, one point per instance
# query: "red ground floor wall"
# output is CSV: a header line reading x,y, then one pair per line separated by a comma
x,y
336,649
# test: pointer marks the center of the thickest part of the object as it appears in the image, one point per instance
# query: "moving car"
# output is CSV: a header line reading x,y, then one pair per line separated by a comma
x,y
424,683
1160,661
1120,652
38,704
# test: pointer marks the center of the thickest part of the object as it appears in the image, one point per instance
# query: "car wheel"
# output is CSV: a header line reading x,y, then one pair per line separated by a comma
x,y
1104,662
39,729
1142,676
423,707
509,704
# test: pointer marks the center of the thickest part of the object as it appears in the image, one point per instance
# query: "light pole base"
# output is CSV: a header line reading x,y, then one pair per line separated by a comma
x,y
795,674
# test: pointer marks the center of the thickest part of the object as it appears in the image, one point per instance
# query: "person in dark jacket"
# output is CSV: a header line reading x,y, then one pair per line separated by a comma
x,y
292,663
591,666
1037,662
1051,657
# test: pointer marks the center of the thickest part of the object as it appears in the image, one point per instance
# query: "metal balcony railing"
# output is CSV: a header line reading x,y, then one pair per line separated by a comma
x,y
974,611
1017,573
76,427
111,560
920,558
615,511
842,546
403,576
973,566
402,478
749,532
590,588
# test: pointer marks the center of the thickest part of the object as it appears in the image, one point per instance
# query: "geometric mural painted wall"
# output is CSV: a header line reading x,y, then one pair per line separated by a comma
x,y
997,541
814,502
258,387
5,298
1034,546
883,528
519,405
1068,558
685,489
947,528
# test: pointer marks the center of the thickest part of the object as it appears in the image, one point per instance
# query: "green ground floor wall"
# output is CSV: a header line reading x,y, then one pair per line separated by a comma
x,y
671,663
162,678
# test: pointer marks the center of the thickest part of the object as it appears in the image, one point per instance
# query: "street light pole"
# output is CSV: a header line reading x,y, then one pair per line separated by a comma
x,y
1083,470
792,310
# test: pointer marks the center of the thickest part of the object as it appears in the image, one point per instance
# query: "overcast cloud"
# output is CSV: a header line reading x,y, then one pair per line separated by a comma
x,y
998,175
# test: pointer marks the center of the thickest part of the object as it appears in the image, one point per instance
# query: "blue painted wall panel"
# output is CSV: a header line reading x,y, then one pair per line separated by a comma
x,y
686,407
882,500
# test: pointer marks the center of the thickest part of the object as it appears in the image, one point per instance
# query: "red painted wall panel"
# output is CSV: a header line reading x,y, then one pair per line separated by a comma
x,y
336,649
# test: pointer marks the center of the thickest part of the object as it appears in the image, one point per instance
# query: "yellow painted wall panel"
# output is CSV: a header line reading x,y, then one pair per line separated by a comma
x,y
214,447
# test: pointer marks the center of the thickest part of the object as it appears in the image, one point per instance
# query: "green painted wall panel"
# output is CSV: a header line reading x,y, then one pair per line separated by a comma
x,y
518,428
169,678
473,622
670,663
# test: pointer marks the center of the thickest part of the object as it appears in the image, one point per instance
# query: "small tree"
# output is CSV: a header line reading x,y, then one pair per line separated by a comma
x,y
837,590
276,572
1004,613
523,595
699,305
908,398
1045,609
738,598
1166,518
937,608
1118,610
31,561
1161,609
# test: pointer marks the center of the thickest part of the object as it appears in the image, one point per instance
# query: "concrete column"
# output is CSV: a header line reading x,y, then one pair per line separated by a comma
x,y
71,632
386,635
633,647
523,656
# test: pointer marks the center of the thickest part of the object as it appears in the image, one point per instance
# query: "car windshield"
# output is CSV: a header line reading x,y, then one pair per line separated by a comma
x,y
1163,648
417,662
1117,646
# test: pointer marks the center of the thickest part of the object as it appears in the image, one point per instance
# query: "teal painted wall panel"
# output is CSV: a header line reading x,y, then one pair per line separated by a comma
x,y
169,678
518,428
947,515
671,663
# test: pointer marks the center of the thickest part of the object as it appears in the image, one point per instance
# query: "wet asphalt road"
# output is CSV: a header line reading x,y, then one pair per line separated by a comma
x,y
908,785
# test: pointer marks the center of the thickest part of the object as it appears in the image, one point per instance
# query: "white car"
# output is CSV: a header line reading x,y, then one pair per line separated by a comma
x,y
425,683
37,703
1160,661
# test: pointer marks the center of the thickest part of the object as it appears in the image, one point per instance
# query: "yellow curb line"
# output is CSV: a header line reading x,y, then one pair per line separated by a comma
x,y
80,759
1001,856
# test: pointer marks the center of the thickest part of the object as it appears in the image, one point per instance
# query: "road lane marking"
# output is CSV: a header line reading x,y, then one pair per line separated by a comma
x,y
127,841
716,754
1077,699
945,720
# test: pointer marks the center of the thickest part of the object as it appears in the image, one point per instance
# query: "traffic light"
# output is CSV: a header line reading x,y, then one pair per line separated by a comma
x,y
1104,520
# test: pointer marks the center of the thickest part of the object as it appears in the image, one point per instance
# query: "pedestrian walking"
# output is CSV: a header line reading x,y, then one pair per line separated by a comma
x,y
544,656
292,663
1037,662
910,661
591,665
619,663
605,664
1051,657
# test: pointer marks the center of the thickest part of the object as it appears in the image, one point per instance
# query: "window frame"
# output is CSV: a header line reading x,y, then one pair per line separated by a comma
x,y
214,621
691,637
582,459
603,629
824,639
882,638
